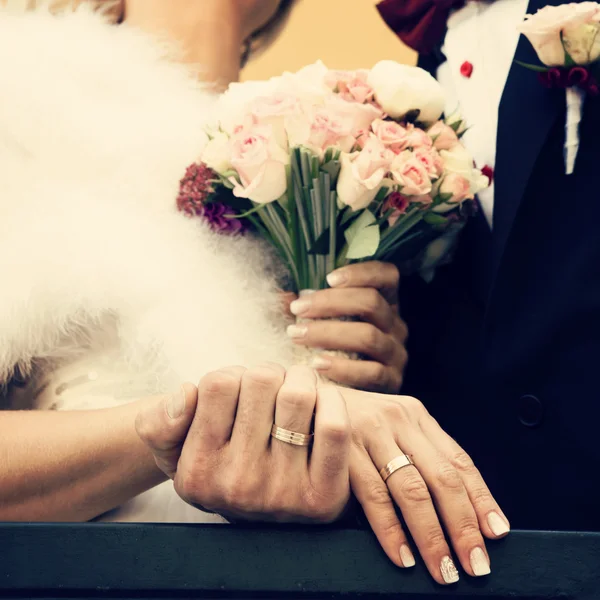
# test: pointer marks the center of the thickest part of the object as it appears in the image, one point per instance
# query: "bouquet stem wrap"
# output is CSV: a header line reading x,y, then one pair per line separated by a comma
x,y
575,97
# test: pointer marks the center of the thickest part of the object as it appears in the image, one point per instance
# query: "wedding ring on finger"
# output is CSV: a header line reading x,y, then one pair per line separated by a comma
x,y
291,437
397,463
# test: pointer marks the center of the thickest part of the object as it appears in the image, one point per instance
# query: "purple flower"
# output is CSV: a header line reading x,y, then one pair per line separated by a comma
x,y
219,217
195,189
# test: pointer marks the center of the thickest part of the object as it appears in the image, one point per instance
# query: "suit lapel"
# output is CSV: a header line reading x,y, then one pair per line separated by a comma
x,y
527,112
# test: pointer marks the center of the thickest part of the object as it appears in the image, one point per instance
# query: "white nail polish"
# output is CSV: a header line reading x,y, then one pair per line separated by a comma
x,y
320,363
479,562
176,404
296,331
297,307
406,556
497,524
448,570
336,278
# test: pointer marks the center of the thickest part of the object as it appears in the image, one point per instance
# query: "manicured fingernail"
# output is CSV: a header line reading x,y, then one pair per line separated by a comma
x,y
479,562
302,293
298,307
296,331
497,524
336,278
406,556
176,404
320,363
448,570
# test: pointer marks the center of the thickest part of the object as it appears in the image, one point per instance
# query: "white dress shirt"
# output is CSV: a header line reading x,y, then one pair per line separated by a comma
x,y
486,36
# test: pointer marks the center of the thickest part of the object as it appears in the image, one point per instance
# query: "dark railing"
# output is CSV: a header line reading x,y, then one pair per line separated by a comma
x,y
216,561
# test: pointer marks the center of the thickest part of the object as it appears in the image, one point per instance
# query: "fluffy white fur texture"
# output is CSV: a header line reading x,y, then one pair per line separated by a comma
x,y
97,125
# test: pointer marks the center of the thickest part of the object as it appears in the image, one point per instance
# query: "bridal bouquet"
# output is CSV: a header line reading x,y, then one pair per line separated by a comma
x,y
333,167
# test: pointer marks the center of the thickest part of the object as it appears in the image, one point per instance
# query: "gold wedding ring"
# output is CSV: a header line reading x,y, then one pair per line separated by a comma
x,y
291,437
394,465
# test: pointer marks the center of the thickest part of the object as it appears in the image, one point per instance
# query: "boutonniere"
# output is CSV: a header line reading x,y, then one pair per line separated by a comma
x,y
567,41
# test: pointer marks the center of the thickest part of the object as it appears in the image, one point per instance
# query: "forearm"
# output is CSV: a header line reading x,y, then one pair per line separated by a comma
x,y
208,33
71,466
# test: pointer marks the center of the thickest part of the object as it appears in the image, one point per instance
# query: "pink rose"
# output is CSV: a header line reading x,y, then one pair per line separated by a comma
x,y
544,28
274,110
361,115
391,134
352,86
457,186
408,171
443,136
431,160
322,128
260,163
362,174
417,138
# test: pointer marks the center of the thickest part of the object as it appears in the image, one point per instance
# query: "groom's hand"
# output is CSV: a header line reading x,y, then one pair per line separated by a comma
x,y
215,443
367,292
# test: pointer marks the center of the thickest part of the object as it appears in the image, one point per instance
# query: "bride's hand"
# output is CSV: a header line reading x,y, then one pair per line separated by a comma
x,y
441,488
368,291
215,443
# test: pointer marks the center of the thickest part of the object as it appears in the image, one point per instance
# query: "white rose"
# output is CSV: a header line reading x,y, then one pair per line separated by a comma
x,y
362,174
583,43
544,28
260,164
460,162
234,104
400,89
456,121
217,153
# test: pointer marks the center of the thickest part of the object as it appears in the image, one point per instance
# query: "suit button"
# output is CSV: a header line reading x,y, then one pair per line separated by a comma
x,y
531,411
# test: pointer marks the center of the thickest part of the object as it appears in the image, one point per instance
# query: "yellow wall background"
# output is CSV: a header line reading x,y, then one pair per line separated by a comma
x,y
344,34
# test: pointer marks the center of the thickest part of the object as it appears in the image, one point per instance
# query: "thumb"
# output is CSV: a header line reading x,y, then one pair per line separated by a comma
x,y
164,425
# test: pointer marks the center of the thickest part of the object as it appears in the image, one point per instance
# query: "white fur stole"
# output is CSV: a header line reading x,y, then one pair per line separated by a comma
x,y
97,126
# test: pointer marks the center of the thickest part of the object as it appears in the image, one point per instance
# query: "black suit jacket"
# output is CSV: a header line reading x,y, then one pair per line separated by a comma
x,y
505,342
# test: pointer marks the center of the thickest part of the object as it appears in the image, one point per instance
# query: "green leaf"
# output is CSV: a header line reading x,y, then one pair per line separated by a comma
x,y
364,243
365,219
537,68
569,62
441,198
435,219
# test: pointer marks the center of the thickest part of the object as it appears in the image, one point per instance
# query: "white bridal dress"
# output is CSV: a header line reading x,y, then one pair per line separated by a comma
x,y
109,293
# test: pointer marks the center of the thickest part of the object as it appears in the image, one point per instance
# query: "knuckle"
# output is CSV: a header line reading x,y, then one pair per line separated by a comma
x,y
379,375
389,526
434,540
219,383
413,404
264,376
461,461
297,398
378,494
397,413
480,495
372,339
447,477
336,433
240,494
192,487
371,302
468,528
394,275
413,488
